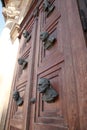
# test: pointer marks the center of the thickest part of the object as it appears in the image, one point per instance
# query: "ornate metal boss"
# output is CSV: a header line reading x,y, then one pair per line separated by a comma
x,y
49,94
17,98
22,62
33,100
47,40
48,7
26,35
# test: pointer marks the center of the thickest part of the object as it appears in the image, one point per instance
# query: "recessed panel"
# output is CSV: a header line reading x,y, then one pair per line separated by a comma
x,y
52,112
53,108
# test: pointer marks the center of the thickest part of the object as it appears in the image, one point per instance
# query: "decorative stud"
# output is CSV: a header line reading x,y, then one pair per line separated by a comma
x,y
33,100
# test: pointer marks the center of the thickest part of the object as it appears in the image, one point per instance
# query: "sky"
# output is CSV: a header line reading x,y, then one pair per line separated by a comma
x,y
2,22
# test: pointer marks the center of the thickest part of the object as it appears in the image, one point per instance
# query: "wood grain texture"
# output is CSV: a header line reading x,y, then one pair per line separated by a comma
x,y
64,64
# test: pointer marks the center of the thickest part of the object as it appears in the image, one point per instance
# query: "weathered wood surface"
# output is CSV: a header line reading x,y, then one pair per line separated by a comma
x,y
64,64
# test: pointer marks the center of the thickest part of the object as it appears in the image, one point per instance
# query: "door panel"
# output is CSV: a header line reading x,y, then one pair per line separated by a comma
x,y
49,65
55,63
16,113
52,113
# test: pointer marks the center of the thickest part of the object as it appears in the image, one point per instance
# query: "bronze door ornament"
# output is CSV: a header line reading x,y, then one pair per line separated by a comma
x,y
26,35
33,100
17,98
48,7
49,93
22,62
47,40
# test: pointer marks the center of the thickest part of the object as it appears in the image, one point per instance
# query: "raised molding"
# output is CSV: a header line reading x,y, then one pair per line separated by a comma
x,y
14,32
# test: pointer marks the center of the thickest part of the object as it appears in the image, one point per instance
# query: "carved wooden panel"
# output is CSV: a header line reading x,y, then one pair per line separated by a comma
x,y
21,79
52,113
50,65
54,15
22,73
58,64
17,112
24,44
49,24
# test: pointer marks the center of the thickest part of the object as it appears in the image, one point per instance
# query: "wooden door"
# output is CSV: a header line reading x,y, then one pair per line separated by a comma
x,y
56,64
49,65
52,54
17,107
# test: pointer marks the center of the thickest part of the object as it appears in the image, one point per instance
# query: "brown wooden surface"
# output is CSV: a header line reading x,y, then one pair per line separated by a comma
x,y
64,64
